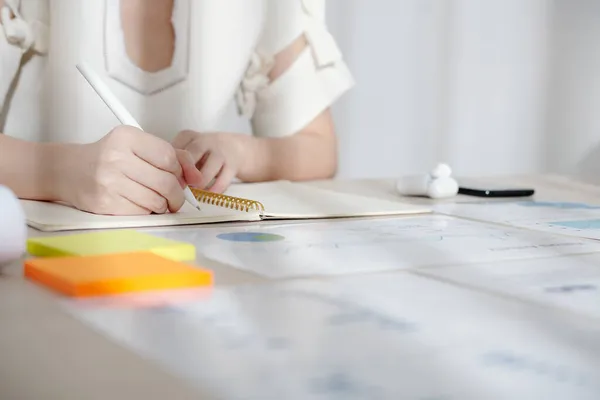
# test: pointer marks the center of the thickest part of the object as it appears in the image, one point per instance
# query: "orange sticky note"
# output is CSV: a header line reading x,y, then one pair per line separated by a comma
x,y
153,299
114,274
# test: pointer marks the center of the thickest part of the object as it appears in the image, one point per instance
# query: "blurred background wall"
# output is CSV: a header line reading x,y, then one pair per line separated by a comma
x,y
489,86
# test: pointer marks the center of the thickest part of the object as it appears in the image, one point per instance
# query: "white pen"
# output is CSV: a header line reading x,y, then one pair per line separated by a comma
x,y
119,110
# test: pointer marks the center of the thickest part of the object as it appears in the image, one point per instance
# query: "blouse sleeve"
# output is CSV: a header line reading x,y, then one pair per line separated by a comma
x,y
316,79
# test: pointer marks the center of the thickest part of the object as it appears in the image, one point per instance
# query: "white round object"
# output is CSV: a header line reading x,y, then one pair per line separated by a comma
x,y
438,184
441,171
13,227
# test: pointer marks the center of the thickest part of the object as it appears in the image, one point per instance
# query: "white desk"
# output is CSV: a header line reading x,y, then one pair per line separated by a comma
x,y
46,354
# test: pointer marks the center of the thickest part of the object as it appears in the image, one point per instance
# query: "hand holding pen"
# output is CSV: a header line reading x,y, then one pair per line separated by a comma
x,y
127,172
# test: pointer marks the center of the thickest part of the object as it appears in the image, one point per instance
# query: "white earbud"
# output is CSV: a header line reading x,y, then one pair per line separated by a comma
x,y
438,184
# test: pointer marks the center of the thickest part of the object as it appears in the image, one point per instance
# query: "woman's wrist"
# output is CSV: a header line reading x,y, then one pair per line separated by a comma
x,y
257,165
56,168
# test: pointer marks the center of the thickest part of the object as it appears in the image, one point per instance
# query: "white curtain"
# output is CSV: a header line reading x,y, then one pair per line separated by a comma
x,y
489,86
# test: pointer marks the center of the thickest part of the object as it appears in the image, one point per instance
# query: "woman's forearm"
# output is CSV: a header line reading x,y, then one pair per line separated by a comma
x,y
30,169
307,155
297,158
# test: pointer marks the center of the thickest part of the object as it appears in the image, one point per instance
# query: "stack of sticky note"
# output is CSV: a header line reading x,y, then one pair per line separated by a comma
x,y
112,262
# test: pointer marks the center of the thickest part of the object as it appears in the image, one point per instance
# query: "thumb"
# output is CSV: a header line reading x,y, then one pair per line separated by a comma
x,y
191,175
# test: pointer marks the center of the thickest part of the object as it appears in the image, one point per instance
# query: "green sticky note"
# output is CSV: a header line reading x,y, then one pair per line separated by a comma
x,y
109,242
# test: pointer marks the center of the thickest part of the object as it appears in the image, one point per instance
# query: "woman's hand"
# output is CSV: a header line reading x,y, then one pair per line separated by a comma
x,y
128,172
218,156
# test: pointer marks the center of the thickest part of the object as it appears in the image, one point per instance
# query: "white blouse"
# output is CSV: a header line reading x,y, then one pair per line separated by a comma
x,y
222,53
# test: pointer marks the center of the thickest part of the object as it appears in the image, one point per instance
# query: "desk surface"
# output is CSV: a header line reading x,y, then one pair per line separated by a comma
x,y
47,354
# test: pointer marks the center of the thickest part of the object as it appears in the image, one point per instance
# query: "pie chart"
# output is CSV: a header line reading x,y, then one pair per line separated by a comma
x,y
250,237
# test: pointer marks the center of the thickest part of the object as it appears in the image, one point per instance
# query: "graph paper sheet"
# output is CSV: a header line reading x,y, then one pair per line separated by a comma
x,y
340,247
564,218
570,283
388,336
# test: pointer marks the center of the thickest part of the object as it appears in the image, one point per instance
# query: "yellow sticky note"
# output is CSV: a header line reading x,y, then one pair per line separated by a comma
x,y
110,242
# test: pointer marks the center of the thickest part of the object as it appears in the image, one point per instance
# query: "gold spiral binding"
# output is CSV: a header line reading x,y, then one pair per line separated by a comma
x,y
231,202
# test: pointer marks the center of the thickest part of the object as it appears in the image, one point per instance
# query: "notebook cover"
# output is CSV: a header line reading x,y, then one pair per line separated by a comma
x,y
55,217
281,200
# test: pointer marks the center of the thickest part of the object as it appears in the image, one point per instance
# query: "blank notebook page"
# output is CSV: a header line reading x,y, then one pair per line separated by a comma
x,y
284,199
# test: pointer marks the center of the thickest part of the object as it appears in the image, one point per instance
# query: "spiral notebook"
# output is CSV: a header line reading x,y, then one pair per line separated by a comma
x,y
281,200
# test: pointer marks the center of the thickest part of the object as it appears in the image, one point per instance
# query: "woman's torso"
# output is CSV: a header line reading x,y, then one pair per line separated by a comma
x,y
212,43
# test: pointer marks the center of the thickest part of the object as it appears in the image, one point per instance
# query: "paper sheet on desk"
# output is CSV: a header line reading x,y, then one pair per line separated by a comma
x,y
367,337
358,246
571,283
564,218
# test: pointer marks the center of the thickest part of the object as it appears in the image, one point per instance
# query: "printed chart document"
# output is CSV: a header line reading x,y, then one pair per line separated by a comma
x,y
565,218
571,283
393,336
281,200
355,246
